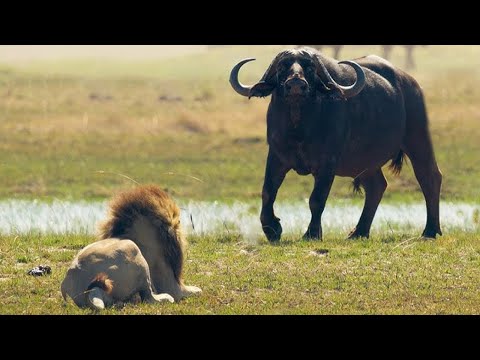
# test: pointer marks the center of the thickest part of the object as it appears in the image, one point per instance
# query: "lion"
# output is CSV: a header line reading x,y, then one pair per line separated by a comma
x,y
140,251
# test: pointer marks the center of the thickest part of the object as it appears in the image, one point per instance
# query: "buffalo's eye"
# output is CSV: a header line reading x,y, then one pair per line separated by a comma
x,y
308,65
281,67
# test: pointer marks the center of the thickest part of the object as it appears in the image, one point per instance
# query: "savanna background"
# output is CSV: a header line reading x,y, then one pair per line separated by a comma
x,y
78,123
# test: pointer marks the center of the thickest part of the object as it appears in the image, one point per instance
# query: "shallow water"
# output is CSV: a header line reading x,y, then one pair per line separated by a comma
x,y
203,218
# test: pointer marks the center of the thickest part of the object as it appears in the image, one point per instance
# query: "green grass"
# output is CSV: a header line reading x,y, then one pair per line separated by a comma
x,y
388,274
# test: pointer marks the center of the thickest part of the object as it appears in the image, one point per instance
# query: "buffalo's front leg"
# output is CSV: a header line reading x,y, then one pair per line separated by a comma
x,y
274,175
323,184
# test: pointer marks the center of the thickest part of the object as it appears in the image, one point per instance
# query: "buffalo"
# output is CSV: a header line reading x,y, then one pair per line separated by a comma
x,y
348,118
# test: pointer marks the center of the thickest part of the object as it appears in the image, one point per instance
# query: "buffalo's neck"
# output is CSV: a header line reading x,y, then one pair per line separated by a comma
x,y
290,133
295,115
292,119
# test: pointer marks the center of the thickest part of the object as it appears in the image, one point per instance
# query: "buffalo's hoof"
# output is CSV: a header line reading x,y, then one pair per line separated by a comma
x,y
273,231
430,235
312,235
356,234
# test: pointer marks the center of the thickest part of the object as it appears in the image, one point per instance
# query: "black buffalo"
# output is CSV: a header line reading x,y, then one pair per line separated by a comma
x,y
317,126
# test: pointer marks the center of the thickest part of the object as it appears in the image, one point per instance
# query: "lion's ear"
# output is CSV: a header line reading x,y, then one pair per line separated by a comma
x,y
262,89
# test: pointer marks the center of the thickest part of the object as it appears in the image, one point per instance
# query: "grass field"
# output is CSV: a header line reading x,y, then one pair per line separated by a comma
x,y
382,275
69,127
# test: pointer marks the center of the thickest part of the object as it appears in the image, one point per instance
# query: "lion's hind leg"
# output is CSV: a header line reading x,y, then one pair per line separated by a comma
x,y
98,299
99,292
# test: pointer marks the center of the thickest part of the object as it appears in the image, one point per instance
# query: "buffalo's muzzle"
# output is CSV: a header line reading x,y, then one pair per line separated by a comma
x,y
296,87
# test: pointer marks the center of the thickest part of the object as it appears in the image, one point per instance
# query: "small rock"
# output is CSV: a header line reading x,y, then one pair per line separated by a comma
x,y
319,253
40,270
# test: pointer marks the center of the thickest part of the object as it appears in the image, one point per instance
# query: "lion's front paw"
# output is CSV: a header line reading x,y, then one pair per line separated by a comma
x,y
191,290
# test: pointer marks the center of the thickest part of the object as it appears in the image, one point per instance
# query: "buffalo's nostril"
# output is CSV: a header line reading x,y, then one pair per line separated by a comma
x,y
296,87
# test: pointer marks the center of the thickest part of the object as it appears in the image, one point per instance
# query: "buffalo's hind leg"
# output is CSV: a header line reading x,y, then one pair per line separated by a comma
x,y
374,186
420,152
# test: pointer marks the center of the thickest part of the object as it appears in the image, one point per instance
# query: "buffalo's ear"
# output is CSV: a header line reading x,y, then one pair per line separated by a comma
x,y
262,89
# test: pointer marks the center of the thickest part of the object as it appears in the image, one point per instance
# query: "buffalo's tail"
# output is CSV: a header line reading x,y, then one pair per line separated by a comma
x,y
357,186
397,163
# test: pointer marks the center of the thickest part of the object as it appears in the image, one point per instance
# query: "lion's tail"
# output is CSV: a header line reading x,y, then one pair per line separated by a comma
x,y
100,286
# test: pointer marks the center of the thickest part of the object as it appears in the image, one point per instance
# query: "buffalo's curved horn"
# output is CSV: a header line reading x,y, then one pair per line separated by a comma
x,y
243,90
352,90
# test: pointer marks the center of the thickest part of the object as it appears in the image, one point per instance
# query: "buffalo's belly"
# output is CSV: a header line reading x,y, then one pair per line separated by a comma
x,y
372,142
352,162
355,161
301,169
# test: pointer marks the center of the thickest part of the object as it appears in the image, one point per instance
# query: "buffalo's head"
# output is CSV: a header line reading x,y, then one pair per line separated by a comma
x,y
298,74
